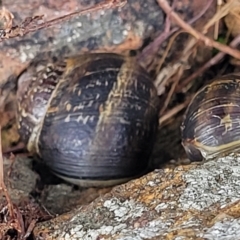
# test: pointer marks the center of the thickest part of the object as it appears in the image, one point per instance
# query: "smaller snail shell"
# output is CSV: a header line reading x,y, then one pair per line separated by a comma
x,y
211,124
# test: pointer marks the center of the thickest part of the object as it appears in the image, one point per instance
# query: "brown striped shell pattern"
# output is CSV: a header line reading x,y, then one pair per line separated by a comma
x,y
91,118
211,125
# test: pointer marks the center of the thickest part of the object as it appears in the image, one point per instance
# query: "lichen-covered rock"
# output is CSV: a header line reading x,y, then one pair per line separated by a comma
x,y
187,202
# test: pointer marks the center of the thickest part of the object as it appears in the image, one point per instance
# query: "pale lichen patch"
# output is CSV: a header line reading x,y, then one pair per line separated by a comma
x,y
151,230
228,229
124,210
211,183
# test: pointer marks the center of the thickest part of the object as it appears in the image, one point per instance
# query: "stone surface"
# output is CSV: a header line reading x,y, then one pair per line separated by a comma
x,y
116,30
19,178
187,202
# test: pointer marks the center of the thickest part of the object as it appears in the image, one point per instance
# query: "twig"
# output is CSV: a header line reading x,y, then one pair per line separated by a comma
x,y
223,11
30,24
19,222
30,228
103,5
199,36
173,112
211,62
216,26
165,74
170,43
171,92
19,147
152,48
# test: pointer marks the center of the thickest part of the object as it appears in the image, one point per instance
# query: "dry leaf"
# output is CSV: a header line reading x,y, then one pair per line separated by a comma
x,y
232,19
6,19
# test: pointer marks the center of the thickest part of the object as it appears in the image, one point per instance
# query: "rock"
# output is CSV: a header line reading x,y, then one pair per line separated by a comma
x,y
195,201
117,30
19,179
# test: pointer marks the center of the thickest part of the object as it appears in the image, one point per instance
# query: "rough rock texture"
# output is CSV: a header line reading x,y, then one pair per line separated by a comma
x,y
188,202
112,30
19,178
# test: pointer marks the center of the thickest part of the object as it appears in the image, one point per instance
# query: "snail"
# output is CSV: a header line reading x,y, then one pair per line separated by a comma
x,y
92,118
211,123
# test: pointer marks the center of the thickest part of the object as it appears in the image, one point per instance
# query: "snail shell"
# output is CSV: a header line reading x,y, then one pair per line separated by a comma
x,y
211,125
92,118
